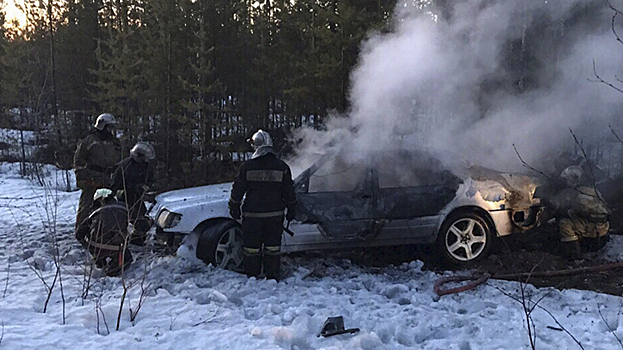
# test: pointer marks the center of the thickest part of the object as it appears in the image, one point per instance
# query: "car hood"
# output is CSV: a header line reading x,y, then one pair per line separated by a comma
x,y
516,189
190,197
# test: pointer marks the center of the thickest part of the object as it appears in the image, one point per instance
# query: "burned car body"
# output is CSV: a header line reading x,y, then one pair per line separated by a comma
x,y
378,200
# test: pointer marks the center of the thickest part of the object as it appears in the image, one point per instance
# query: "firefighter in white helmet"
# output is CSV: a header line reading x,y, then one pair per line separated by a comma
x,y
266,184
131,181
96,155
104,233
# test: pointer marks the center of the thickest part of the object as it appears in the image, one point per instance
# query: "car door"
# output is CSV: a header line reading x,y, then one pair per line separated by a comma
x,y
338,198
410,196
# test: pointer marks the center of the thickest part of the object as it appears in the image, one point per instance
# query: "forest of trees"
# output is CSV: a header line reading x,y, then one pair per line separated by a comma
x,y
194,78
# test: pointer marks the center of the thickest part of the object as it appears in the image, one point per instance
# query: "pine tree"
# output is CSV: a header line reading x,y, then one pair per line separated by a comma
x,y
3,68
119,79
203,92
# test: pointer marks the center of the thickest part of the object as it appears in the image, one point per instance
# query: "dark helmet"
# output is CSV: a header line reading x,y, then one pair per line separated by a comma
x,y
572,175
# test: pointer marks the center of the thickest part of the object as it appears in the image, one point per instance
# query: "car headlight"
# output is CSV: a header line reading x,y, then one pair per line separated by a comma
x,y
168,219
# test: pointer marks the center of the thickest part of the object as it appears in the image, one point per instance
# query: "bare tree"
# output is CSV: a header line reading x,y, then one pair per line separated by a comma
x,y
528,313
49,202
8,271
2,333
145,289
598,79
610,328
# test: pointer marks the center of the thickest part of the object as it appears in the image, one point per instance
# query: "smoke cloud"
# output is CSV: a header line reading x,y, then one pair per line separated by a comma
x,y
471,80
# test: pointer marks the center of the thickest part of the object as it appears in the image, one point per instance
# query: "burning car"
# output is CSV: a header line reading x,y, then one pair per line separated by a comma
x,y
381,199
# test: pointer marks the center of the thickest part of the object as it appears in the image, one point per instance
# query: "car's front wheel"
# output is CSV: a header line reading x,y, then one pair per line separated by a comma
x,y
464,237
221,245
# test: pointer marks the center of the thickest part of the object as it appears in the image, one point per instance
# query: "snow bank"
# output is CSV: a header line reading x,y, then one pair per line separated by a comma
x,y
189,305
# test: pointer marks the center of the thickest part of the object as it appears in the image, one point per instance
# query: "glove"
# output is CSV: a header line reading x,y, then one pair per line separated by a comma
x,y
234,210
290,214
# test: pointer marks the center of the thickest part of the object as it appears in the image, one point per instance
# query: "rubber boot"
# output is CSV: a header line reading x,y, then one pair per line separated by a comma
x,y
114,268
272,265
531,219
601,241
252,265
571,250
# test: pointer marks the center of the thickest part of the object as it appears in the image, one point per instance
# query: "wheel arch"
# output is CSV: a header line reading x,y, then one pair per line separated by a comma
x,y
212,222
473,209
209,235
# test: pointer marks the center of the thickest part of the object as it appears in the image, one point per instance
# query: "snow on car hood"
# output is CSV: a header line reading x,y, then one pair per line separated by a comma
x,y
188,197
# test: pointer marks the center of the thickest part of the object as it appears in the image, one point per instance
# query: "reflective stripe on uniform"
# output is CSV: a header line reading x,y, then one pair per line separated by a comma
x,y
102,246
263,215
567,230
97,142
272,250
250,251
579,228
265,175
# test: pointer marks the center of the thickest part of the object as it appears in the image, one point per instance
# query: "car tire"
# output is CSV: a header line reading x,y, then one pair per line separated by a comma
x,y
221,245
464,237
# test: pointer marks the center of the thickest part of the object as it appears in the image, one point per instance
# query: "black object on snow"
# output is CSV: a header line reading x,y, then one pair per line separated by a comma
x,y
335,326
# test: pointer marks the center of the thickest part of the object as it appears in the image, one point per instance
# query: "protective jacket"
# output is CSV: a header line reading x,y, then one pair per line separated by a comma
x,y
95,158
583,201
133,178
107,237
582,213
108,226
267,182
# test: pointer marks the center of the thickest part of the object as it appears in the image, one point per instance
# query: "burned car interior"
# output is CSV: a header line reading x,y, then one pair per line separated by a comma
x,y
355,197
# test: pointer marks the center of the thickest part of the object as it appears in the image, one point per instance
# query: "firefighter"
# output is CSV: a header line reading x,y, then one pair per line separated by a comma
x,y
104,233
131,180
582,214
97,153
267,183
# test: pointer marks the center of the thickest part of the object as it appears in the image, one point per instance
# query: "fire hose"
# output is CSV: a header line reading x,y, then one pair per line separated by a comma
x,y
480,278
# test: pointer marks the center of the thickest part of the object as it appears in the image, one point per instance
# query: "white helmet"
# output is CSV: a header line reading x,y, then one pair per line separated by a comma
x,y
260,139
572,175
105,119
142,152
101,193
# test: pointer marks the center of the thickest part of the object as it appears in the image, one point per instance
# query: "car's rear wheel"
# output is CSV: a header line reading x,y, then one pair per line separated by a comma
x,y
221,245
464,237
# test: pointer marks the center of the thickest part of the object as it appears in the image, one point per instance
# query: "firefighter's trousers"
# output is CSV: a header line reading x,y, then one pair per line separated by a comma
x,y
262,245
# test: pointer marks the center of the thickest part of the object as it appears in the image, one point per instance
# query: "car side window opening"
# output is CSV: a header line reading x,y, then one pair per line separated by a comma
x,y
337,176
410,172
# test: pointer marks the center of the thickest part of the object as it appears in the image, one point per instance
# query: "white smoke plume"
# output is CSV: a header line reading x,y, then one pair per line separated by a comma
x,y
474,78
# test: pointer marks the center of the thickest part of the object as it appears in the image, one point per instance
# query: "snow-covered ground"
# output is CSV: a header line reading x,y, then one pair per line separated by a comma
x,y
13,143
192,306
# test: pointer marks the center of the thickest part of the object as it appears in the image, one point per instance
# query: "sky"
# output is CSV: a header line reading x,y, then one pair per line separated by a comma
x,y
13,13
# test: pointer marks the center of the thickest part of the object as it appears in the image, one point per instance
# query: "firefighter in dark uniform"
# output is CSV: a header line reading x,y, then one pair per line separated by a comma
x,y
104,233
267,183
94,160
131,180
